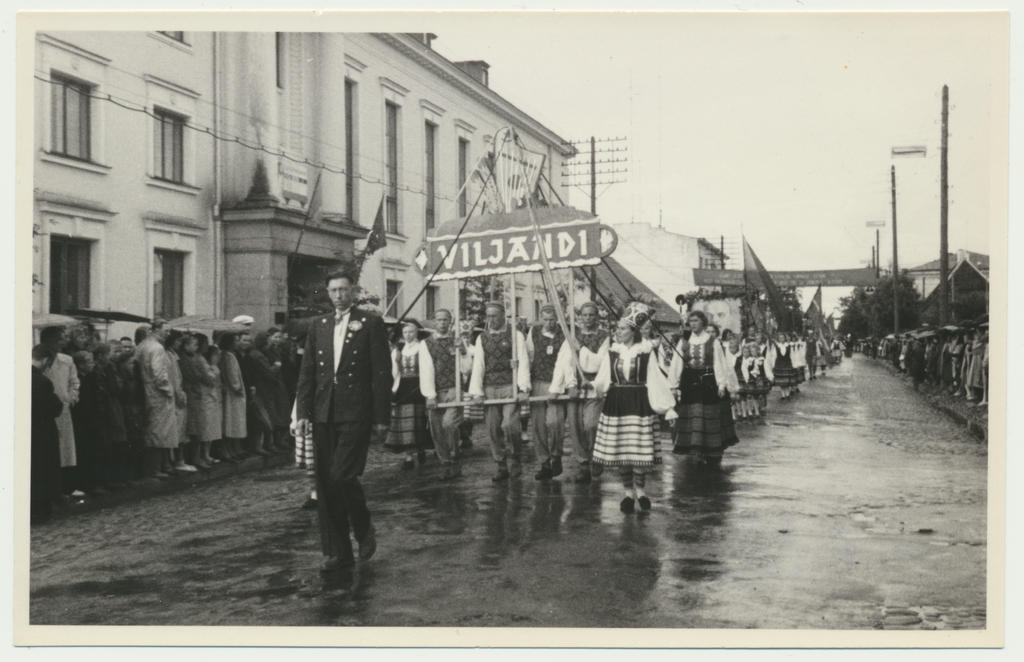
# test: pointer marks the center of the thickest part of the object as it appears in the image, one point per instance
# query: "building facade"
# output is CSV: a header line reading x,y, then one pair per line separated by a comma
x,y
397,128
663,260
226,173
926,276
123,195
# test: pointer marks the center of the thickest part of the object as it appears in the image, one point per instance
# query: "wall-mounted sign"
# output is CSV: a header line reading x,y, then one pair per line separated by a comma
x,y
294,181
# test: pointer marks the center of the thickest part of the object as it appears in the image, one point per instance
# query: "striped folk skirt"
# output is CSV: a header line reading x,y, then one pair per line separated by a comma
x,y
409,430
626,430
705,424
304,452
785,374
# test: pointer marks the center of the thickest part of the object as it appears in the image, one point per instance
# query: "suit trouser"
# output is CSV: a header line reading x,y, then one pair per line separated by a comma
x,y
444,428
339,459
583,417
503,425
547,424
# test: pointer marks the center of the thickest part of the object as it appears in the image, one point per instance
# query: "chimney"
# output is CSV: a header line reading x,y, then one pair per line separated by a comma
x,y
961,255
425,38
477,69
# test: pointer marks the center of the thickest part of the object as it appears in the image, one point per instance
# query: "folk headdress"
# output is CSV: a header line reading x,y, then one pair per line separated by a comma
x,y
636,314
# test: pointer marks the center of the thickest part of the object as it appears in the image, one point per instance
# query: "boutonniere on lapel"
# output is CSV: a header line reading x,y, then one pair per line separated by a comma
x,y
355,325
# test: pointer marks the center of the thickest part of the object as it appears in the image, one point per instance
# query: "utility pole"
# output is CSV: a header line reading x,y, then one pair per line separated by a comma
x,y
944,212
874,261
721,248
895,259
593,176
594,171
878,247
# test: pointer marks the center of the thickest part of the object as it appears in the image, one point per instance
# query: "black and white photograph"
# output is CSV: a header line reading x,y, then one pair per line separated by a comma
x,y
564,329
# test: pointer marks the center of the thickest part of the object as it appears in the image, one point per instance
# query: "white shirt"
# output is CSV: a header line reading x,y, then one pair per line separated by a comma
x,y
522,376
340,329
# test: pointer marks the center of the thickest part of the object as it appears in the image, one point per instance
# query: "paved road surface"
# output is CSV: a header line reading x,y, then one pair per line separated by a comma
x,y
856,506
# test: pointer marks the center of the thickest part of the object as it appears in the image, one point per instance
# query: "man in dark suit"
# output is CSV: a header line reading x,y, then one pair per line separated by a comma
x,y
344,392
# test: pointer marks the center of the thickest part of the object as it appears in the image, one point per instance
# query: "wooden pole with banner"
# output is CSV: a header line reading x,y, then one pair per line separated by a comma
x,y
515,339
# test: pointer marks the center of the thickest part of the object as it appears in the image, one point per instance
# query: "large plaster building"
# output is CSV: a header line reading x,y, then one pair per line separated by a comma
x,y
226,173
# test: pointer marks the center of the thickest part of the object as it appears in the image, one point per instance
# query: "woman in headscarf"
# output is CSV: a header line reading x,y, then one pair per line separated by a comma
x,y
635,394
409,433
705,427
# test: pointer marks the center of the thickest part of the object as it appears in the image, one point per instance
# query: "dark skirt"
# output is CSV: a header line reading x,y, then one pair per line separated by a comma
x,y
755,387
409,431
705,424
627,430
785,374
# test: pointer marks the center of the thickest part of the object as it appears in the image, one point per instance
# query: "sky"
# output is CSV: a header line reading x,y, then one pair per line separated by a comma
x,y
776,127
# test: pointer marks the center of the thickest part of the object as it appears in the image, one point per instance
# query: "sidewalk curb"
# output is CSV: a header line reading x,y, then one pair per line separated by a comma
x,y
978,430
145,488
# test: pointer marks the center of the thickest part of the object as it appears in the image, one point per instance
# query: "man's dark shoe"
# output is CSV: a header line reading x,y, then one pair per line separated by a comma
x,y
544,473
335,563
310,504
627,505
645,503
556,466
582,476
368,545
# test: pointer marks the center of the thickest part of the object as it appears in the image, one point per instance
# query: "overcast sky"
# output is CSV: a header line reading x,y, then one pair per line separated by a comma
x,y
778,127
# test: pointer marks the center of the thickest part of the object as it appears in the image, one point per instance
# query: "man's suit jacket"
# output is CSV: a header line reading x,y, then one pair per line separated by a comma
x,y
360,390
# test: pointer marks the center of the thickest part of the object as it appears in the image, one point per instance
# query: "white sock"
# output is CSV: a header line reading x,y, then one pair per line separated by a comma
x,y
640,492
630,494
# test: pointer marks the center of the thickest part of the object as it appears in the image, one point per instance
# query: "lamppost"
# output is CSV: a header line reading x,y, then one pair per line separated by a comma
x,y
917,151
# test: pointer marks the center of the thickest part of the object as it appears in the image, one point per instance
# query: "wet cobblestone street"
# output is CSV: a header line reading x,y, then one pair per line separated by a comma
x,y
855,506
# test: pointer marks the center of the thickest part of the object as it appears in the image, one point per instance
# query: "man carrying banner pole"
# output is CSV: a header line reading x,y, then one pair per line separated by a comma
x,y
548,351
583,411
492,379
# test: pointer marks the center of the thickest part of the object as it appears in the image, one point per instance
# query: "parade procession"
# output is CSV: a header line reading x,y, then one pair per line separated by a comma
x,y
357,352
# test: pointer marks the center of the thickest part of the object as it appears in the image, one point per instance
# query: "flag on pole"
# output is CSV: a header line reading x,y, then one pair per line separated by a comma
x,y
814,312
757,276
315,200
377,238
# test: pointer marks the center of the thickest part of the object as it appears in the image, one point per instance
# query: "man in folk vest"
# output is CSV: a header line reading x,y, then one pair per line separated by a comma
x,y
584,413
437,383
493,372
547,349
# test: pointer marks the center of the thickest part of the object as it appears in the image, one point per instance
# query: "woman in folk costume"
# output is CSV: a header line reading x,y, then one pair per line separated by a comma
x,y
756,380
782,365
635,393
409,433
705,427
734,354
798,355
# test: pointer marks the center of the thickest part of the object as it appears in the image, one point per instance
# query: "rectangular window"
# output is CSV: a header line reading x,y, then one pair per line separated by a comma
x,y
463,165
70,118
168,284
279,58
430,140
168,146
431,301
536,309
391,166
519,306
176,36
350,150
69,273
391,288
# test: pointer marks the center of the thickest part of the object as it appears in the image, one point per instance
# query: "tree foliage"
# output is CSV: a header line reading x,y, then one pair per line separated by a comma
x,y
870,313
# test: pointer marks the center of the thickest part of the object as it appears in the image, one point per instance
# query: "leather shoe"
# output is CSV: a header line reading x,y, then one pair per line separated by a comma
x,y
582,476
333,563
310,504
544,473
627,505
502,474
516,469
645,503
556,466
368,545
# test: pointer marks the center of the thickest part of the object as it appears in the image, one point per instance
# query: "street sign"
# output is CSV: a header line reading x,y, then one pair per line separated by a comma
x,y
825,278
516,250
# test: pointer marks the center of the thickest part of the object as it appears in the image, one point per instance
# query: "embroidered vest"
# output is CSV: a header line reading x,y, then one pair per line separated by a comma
x,y
638,369
409,365
497,357
545,352
698,357
442,351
